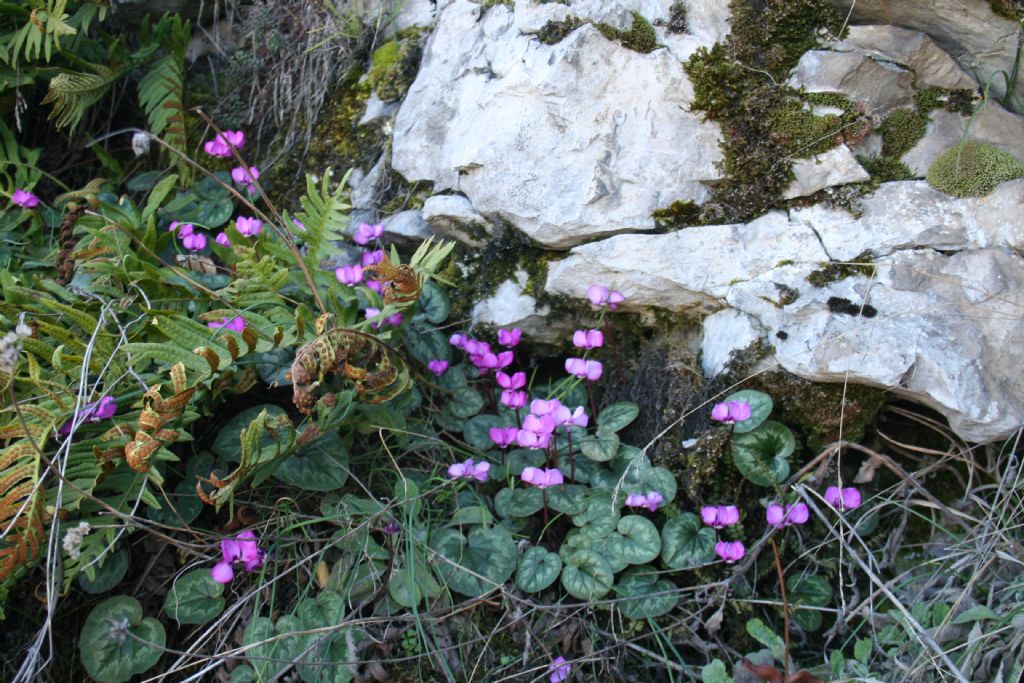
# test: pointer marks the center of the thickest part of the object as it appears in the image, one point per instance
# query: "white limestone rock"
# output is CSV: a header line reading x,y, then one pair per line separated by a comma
x,y
377,110
941,330
879,86
725,333
837,166
568,142
406,227
992,124
689,270
510,306
932,66
967,29
452,215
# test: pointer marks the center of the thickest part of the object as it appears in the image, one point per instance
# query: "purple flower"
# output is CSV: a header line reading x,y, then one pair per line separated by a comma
x,y
243,548
600,295
845,499
540,407
475,347
516,381
513,399
25,199
220,146
542,478
584,369
349,275
731,412
248,227
492,361
564,417
437,366
457,340
559,670
194,241
103,409
730,551
509,338
720,516
503,437
375,286
223,240
366,233
395,319
181,229
298,224
779,517
469,470
235,324
246,177
392,528
650,500
536,431
372,258
588,339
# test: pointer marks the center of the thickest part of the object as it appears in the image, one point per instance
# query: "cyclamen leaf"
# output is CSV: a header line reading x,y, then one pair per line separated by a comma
x,y
637,540
640,586
107,575
587,576
686,542
116,643
477,564
194,598
617,416
538,569
760,408
762,455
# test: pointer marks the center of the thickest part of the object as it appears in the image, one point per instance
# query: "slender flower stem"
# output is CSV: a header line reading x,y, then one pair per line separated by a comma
x,y
615,350
554,451
593,406
544,492
572,459
785,606
519,419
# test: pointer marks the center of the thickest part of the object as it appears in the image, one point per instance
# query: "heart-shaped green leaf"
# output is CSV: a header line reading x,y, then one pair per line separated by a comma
x,y
477,564
602,447
320,465
715,672
570,499
433,304
106,575
472,514
587,575
637,540
466,402
811,590
538,569
760,408
477,430
686,542
194,598
269,653
411,580
228,444
518,502
617,416
762,455
425,343
116,643
639,588
600,515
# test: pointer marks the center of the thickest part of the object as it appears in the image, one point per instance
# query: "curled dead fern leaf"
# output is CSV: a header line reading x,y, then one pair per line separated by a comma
x,y
21,508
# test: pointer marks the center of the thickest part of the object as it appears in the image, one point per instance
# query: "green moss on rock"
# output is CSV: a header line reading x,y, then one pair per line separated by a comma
x,y
834,272
678,214
903,129
973,169
394,67
555,32
885,169
640,36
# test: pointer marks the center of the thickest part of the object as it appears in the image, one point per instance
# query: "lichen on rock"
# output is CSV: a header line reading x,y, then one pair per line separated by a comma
x,y
973,169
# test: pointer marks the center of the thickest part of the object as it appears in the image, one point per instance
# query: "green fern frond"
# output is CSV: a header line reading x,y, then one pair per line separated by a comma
x,y
21,508
325,217
72,93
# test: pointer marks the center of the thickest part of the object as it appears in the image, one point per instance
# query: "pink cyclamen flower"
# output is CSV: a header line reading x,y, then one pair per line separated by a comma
x,y
181,229
588,339
600,295
720,516
457,340
375,286
103,409
248,227
223,240
246,176
731,412
372,258
845,499
469,470
298,224
542,478
366,233
584,369
235,324
25,199
392,528
438,366
503,437
194,241
516,381
394,319
565,417
540,407
220,146
349,275
730,551
513,399
475,347
559,670
650,500
242,548
509,338
780,517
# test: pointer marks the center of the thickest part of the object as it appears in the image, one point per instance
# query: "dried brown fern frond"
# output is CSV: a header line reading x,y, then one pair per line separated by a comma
x,y
22,502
